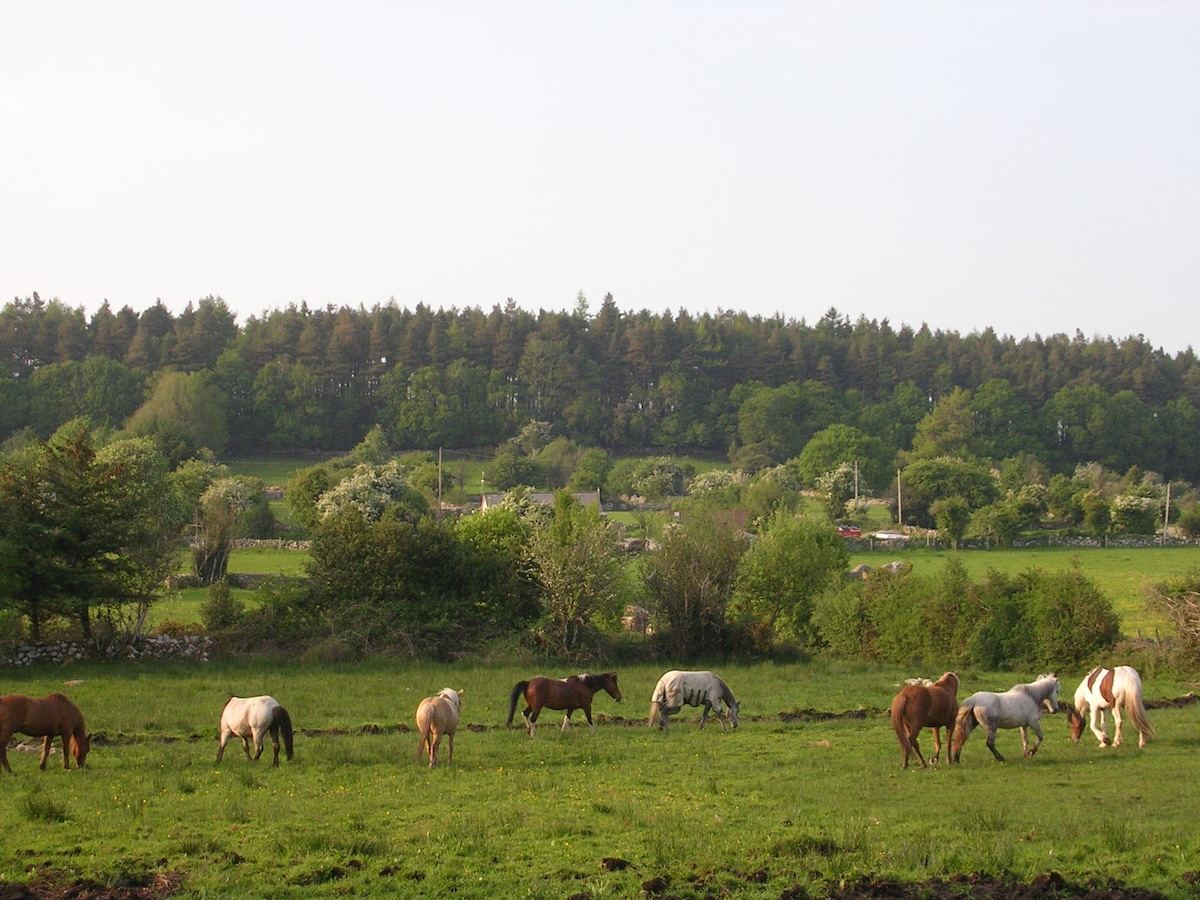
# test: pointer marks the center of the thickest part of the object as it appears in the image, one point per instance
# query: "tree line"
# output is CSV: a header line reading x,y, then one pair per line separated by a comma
x,y
755,388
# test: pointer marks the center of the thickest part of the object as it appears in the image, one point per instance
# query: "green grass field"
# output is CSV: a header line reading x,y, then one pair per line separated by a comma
x,y
779,804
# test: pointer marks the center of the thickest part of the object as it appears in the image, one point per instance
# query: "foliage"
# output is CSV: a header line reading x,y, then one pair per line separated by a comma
x,y
952,515
86,531
655,478
373,490
1035,620
792,560
510,468
928,480
575,562
223,503
689,583
1178,599
184,415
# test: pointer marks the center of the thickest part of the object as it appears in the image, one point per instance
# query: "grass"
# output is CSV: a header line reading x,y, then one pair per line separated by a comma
x,y
750,814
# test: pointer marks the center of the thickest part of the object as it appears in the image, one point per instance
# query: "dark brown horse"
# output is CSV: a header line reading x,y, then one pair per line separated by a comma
x,y
920,705
567,694
45,718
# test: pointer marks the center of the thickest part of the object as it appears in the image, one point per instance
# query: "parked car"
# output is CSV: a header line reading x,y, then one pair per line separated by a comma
x,y
849,531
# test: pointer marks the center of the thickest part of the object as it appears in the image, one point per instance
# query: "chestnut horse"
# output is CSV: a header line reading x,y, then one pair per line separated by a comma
x,y
567,694
919,705
44,718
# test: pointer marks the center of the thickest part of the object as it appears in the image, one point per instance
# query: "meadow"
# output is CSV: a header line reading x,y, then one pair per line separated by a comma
x,y
789,800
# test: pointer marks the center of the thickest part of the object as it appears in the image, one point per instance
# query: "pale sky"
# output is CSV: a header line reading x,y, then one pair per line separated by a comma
x,y
1029,166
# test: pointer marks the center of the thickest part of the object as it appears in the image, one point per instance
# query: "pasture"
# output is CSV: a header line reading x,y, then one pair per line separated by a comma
x,y
791,799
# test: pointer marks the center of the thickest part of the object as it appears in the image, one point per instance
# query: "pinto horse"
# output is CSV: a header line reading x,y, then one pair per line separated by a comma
x,y
567,694
919,705
251,718
438,715
44,718
1116,689
1018,707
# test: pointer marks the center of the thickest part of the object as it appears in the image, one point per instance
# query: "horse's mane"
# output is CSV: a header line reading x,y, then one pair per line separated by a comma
x,y
596,682
726,693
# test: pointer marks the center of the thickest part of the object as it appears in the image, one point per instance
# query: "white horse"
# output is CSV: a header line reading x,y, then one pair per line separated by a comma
x,y
1018,707
438,715
251,718
676,690
1116,689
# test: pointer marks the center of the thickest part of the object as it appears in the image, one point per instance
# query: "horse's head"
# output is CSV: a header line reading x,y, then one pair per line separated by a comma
x,y
735,709
1050,698
80,748
1076,721
610,685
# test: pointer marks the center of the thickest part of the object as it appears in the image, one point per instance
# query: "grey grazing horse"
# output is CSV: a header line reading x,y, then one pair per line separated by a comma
x,y
676,690
1018,707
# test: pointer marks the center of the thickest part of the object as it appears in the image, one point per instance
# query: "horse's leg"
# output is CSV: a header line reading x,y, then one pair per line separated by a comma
x,y
937,744
275,743
1099,732
991,742
704,718
1116,711
47,743
1036,728
4,753
913,734
530,716
225,736
433,750
66,742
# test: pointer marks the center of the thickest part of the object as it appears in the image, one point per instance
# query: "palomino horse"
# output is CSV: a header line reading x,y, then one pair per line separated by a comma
x,y
251,718
1116,689
919,705
44,718
567,694
438,715
676,689
1018,707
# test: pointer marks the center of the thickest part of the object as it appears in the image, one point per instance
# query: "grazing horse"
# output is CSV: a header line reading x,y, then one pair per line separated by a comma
x,y
920,705
438,715
44,718
250,718
676,690
1018,707
1115,689
567,694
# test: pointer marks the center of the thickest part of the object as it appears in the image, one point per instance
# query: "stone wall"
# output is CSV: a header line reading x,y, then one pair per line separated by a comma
x,y
161,646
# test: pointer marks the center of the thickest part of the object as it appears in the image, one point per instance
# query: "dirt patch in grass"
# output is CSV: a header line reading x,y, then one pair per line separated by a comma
x,y
153,887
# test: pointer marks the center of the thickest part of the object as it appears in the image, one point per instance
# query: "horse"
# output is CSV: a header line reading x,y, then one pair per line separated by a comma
x,y
933,704
438,715
676,690
44,718
567,694
1018,707
250,718
1115,689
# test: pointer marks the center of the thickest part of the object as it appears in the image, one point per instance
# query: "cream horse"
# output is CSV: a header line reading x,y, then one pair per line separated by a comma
x,y
438,715
1116,689
1018,707
251,719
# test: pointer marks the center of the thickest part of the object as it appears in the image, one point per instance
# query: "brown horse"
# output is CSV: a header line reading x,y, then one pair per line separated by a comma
x,y
43,718
568,694
919,705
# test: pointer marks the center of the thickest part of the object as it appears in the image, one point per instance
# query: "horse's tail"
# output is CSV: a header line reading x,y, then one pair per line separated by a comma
x,y
283,724
517,691
1136,710
898,710
424,724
